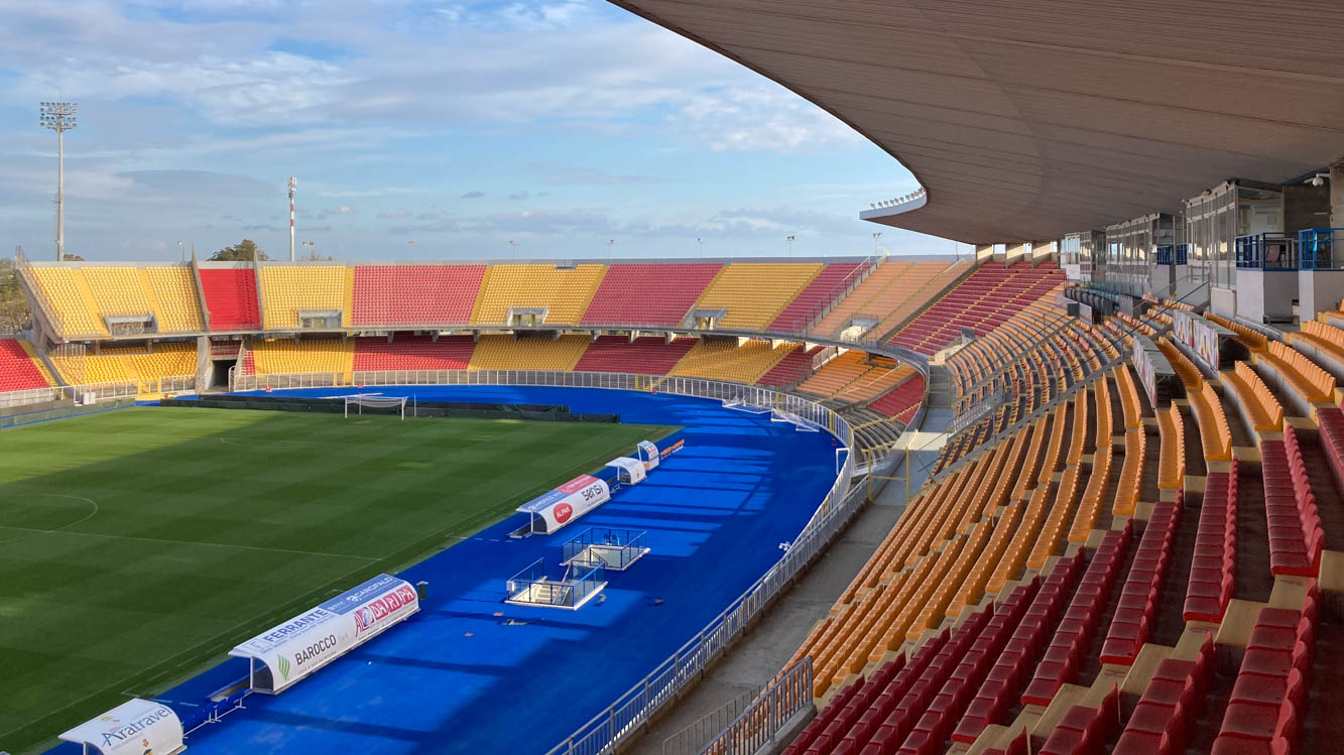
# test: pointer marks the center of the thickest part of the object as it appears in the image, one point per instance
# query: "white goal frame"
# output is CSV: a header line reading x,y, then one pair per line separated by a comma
x,y
374,401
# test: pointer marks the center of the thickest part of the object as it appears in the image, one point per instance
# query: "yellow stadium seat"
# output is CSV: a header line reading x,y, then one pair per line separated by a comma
x,y
172,289
287,290
724,359
145,366
754,293
70,301
331,356
504,352
564,292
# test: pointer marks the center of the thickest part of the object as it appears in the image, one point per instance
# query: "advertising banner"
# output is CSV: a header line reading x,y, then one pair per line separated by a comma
x,y
1198,335
648,453
671,449
136,726
566,503
1143,364
296,648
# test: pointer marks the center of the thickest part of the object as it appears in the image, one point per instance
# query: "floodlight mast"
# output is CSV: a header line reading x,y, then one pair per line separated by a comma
x,y
59,117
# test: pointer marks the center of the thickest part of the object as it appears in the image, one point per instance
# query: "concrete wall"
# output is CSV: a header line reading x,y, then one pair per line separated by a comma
x,y
1223,301
1265,296
1185,287
1318,290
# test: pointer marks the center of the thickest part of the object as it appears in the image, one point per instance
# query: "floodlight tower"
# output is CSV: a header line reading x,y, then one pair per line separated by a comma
x,y
59,117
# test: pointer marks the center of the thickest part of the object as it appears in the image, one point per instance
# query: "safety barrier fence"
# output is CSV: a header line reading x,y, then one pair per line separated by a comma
x,y
692,739
636,706
47,412
58,393
765,719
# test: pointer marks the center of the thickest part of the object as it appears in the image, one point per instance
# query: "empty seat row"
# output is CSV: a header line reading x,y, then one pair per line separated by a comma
x,y
1213,566
564,292
1014,664
888,294
1069,638
651,293
1265,712
1300,375
1264,412
818,294
752,294
1172,701
991,294
20,368
414,295
1296,536
1134,615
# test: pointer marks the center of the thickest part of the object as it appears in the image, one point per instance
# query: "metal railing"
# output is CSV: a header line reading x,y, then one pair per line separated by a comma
x,y
38,413
1266,251
29,396
692,739
764,720
637,705
1317,247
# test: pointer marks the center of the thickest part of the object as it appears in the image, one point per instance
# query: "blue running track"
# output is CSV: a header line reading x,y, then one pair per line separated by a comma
x,y
457,678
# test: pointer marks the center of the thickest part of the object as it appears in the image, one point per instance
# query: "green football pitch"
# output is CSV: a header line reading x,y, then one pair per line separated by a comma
x,y
139,545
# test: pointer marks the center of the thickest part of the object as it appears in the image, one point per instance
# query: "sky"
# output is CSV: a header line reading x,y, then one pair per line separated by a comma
x,y
447,130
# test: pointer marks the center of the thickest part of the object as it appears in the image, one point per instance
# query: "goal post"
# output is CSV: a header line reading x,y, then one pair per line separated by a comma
x,y
384,404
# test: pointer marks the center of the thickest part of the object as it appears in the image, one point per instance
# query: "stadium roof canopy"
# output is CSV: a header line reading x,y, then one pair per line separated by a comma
x,y
1028,119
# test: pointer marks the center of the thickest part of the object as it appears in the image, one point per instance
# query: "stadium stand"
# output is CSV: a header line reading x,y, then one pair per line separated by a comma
x,y
1262,411
20,370
173,291
69,299
146,366
754,293
116,290
528,353
833,279
992,293
725,359
856,377
1139,569
793,368
902,401
231,297
413,353
889,294
414,295
643,356
283,356
565,292
289,290
649,293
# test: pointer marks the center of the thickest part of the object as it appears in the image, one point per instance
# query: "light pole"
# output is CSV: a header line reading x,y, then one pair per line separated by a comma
x,y
311,247
293,186
59,117
876,236
788,243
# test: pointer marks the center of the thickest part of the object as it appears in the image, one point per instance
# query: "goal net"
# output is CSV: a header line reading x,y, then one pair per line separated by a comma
x,y
375,404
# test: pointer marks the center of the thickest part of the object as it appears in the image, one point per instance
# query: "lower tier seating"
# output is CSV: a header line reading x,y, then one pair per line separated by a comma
x,y
20,369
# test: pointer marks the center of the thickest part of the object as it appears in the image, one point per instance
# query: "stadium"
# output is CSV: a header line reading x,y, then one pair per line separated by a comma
x,y
1079,491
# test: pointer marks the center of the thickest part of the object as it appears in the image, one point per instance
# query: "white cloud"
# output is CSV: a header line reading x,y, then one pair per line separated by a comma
x,y
566,60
